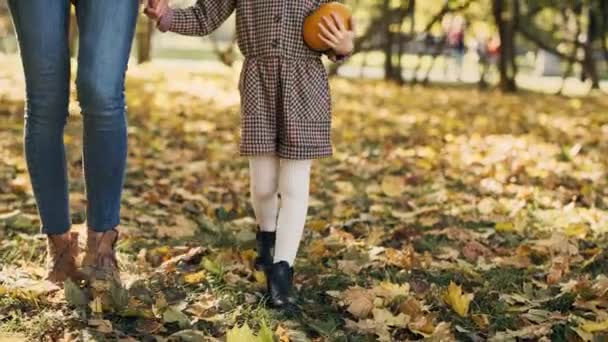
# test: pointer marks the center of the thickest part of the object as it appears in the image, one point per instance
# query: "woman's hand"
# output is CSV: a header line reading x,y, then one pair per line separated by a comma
x,y
335,34
155,9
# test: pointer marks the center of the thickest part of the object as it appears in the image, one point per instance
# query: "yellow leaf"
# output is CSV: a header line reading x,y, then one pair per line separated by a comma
x,y
317,250
576,103
317,225
481,320
389,290
195,278
595,326
282,334
386,317
505,227
393,186
422,324
248,256
457,300
241,334
212,266
96,305
260,278
345,188
579,230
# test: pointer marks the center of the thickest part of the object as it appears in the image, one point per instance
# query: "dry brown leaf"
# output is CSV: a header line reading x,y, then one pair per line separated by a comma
x,y
101,325
360,302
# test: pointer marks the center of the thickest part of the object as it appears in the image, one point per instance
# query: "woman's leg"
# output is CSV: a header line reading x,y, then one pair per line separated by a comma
x,y
264,179
106,32
42,31
294,180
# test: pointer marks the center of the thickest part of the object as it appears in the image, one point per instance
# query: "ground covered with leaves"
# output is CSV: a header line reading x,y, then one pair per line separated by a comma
x,y
446,214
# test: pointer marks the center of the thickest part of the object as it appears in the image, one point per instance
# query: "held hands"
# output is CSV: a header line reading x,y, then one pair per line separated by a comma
x,y
155,9
335,34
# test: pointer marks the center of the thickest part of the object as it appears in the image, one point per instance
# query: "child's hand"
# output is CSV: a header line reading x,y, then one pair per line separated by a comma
x,y
155,9
337,36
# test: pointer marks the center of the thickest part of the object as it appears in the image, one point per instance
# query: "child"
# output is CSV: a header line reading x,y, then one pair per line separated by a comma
x,y
285,113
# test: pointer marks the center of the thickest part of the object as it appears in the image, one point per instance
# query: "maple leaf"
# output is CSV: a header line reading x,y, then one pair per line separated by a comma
x,y
458,300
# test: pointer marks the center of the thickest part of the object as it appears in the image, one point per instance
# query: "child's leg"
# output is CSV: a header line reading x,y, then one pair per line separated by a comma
x,y
264,174
294,179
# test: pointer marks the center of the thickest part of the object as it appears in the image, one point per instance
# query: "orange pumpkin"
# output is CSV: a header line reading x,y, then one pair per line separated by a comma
x,y
311,23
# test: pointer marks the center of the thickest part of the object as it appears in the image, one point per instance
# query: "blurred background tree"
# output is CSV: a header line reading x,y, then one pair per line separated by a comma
x,y
488,42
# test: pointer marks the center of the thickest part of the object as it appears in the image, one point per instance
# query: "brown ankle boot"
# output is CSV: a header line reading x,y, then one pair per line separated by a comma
x,y
61,259
99,261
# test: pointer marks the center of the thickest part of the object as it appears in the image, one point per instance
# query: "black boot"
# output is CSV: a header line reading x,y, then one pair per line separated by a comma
x,y
280,283
265,247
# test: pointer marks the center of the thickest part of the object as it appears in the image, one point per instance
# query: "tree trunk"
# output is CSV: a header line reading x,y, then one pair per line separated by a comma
x,y
389,68
603,17
505,13
577,33
589,66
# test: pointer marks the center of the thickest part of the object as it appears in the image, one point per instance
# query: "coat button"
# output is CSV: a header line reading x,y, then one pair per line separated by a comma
x,y
275,43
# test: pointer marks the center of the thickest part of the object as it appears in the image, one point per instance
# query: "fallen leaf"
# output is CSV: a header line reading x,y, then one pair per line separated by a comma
x,y
578,230
101,325
393,186
559,267
183,227
390,290
211,266
593,327
96,305
385,317
189,335
505,227
74,295
360,302
473,250
195,278
458,300
241,334
173,315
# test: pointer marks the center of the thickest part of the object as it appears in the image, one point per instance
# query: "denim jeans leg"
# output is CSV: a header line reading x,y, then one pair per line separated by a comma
x,y
42,32
106,33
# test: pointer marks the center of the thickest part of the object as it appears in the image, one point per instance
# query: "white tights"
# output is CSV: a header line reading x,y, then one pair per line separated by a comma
x,y
271,176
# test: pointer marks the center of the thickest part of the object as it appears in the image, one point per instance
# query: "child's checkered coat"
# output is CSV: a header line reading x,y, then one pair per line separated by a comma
x,y
285,100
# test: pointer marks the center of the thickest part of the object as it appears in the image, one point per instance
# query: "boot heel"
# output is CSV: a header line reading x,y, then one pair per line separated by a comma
x,y
280,287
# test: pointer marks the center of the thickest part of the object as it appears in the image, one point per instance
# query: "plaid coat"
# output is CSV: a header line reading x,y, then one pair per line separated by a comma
x,y
285,98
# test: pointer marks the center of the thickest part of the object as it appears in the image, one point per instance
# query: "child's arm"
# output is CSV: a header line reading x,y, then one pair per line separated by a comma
x,y
198,20
335,34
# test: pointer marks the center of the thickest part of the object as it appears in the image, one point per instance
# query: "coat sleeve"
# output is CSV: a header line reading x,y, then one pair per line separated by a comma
x,y
198,20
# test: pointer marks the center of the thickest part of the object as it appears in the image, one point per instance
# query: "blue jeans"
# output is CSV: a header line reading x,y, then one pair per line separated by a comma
x,y
106,31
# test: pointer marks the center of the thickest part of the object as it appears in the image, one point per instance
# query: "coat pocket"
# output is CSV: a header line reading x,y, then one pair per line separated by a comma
x,y
309,96
250,90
